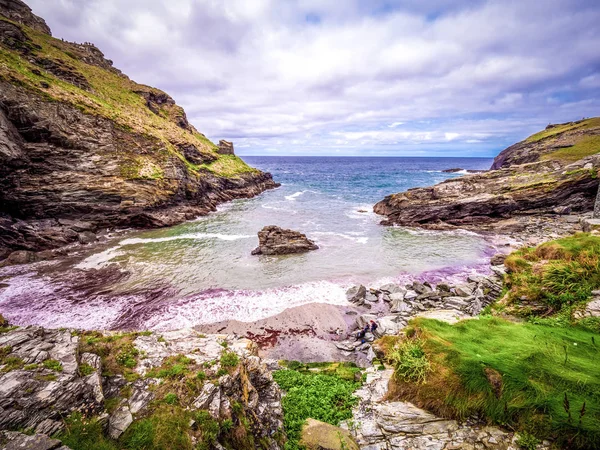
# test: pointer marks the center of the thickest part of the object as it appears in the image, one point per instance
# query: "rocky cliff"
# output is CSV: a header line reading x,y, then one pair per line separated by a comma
x,y
552,172
83,147
179,390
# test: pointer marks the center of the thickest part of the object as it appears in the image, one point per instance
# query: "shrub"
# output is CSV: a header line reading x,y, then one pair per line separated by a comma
x,y
171,399
527,441
410,361
81,433
53,364
327,398
127,356
86,369
229,359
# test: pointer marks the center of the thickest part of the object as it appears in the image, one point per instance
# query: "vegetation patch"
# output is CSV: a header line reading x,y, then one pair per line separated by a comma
x,y
83,433
556,130
585,146
5,327
228,166
558,275
119,355
53,364
539,380
320,396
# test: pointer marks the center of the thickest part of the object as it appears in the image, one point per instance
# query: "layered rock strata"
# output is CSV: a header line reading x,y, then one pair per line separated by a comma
x,y
273,240
552,173
84,148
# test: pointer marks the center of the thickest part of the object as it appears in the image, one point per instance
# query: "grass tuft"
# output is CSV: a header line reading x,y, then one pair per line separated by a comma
x,y
533,378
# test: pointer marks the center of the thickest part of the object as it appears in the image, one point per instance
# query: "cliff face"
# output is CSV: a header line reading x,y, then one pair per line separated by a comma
x,y
83,147
563,142
552,172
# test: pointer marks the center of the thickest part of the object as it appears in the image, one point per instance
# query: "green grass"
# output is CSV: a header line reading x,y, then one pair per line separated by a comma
x,y
410,361
228,166
558,274
327,398
53,364
533,378
85,434
585,124
229,359
116,98
585,146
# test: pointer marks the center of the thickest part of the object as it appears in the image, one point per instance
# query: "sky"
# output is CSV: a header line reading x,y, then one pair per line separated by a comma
x,y
354,77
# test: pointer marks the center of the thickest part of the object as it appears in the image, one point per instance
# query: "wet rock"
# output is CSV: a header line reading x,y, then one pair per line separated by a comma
x,y
273,240
465,290
21,257
371,297
421,288
400,307
392,288
410,295
356,294
87,237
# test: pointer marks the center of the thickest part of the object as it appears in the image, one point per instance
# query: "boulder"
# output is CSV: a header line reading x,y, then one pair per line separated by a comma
x,y
273,240
119,421
498,259
591,310
19,441
356,294
318,435
86,237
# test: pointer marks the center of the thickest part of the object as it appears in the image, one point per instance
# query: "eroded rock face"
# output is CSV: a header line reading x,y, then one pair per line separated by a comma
x,y
475,201
67,159
378,424
19,12
44,379
273,240
60,167
42,384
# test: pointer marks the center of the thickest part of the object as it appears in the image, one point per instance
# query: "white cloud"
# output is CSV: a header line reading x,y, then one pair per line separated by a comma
x,y
258,71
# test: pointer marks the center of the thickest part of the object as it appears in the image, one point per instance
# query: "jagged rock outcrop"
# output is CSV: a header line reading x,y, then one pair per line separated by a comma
x,y
84,148
379,424
553,172
478,200
560,137
46,375
225,147
40,382
273,240
19,12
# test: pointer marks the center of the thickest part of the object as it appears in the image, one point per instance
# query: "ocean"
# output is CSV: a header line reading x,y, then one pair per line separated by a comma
x,y
202,272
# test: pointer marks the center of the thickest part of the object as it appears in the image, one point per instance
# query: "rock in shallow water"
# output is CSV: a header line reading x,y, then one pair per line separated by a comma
x,y
273,240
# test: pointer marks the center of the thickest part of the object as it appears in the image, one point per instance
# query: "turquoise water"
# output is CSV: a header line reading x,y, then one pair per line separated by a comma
x,y
202,271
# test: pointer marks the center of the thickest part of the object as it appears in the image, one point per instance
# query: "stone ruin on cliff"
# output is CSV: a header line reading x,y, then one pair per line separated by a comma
x,y
225,147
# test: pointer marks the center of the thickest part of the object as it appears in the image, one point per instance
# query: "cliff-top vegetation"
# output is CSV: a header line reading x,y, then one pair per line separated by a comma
x,y
530,362
78,75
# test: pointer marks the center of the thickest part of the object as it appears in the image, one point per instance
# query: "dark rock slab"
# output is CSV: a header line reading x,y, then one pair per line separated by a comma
x,y
273,240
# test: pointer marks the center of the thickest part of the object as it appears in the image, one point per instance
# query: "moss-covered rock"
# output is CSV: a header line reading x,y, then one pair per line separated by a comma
x,y
318,435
